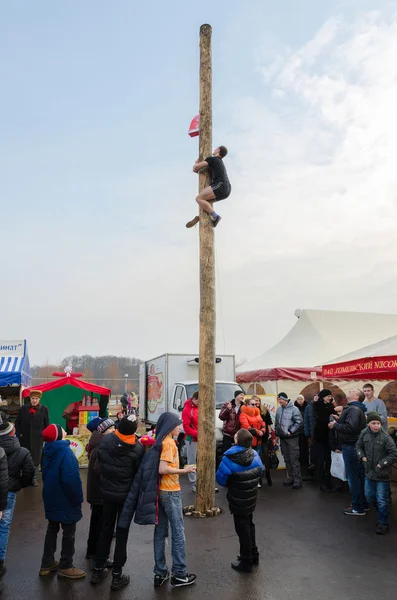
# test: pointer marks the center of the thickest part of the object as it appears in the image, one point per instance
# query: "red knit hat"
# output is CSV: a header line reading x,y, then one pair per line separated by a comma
x,y
52,433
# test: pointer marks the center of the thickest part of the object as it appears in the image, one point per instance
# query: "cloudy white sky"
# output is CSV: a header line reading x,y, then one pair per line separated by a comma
x,y
96,182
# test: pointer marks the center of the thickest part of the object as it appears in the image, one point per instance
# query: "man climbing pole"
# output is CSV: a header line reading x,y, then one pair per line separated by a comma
x,y
219,189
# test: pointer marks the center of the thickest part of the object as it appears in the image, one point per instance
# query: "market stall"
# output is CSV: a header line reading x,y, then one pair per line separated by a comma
x,y
86,400
14,374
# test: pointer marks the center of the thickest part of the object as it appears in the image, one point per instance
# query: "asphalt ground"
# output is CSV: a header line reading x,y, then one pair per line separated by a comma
x,y
308,550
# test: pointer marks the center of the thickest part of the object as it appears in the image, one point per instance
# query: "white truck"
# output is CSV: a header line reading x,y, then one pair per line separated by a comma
x,y
167,381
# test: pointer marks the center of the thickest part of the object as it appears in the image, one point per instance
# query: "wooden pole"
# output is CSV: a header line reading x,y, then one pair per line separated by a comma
x,y
206,429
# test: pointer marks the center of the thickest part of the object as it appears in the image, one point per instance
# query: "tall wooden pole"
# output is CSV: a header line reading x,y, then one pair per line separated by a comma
x,y
206,429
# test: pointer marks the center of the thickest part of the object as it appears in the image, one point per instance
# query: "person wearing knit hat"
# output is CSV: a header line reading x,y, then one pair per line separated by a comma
x,y
325,393
20,475
101,428
120,454
377,451
32,419
288,426
62,497
93,424
373,416
105,425
52,433
128,425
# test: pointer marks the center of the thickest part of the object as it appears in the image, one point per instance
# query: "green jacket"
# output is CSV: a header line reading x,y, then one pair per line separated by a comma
x,y
379,449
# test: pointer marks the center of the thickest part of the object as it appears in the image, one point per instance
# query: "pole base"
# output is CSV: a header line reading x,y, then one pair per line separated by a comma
x,y
190,511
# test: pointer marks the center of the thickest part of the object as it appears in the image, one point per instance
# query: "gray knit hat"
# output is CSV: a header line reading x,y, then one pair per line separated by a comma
x,y
6,427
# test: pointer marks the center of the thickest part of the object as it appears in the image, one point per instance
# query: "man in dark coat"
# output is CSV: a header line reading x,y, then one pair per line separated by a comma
x,y
349,426
240,470
31,421
120,454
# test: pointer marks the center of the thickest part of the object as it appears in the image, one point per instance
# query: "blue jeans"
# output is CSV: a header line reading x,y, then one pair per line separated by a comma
x,y
355,477
377,494
5,523
170,512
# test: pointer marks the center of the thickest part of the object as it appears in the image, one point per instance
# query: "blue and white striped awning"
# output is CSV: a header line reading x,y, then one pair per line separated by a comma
x,y
14,364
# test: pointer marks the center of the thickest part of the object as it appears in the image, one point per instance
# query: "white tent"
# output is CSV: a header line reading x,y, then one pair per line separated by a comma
x,y
387,347
320,335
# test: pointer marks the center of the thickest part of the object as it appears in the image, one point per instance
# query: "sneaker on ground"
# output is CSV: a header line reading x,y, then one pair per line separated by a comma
x,y
180,580
98,575
193,222
47,570
297,484
287,482
356,513
218,218
119,580
216,490
72,573
259,485
365,509
160,580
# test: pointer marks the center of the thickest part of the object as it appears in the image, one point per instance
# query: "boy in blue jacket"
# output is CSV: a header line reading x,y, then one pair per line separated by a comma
x,y
63,497
240,471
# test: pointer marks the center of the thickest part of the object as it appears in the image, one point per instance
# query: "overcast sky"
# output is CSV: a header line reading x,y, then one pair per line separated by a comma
x,y
96,182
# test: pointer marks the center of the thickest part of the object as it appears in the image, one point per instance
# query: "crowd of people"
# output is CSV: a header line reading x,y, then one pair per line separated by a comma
x,y
127,481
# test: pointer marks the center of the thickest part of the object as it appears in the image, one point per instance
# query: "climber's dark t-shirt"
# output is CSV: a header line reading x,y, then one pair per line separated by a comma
x,y
218,170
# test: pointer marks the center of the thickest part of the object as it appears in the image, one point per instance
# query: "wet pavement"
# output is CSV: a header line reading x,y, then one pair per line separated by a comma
x,y
309,550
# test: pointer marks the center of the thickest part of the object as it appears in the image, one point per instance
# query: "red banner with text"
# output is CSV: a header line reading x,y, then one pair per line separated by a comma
x,y
381,367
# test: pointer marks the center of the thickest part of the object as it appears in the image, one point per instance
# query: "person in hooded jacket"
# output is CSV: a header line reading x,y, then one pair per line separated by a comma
x,y
349,426
62,497
250,418
21,471
240,470
155,499
120,455
98,427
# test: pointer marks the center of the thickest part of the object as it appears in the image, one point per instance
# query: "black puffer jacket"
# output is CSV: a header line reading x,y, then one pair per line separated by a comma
x,y
94,494
240,471
351,423
3,480
118,463
321,414
20,464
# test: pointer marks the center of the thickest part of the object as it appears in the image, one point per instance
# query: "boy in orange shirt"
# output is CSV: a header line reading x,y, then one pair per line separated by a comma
x,y
170,513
